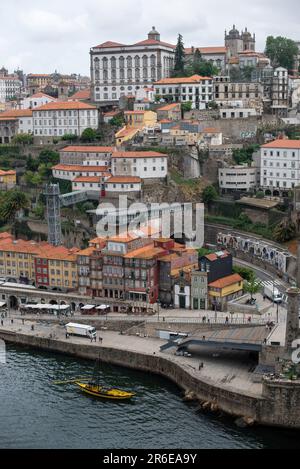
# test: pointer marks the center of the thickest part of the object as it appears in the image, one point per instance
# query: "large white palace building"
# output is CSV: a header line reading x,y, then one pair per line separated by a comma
x,y
121,70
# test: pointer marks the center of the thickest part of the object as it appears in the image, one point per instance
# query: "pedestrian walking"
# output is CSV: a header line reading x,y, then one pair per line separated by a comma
x,y
2,322
12,321
95,338
23,321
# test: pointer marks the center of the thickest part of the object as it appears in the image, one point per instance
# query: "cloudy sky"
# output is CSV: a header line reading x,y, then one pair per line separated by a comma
x,y
42,35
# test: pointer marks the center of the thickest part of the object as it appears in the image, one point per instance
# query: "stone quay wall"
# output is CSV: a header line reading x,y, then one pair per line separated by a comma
x,y
274,408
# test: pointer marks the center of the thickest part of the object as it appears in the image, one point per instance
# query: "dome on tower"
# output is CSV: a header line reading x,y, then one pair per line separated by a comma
x,y
154,34
234,33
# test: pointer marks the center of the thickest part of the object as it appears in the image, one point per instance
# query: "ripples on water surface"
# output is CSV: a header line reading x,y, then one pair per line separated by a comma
x,y
34,413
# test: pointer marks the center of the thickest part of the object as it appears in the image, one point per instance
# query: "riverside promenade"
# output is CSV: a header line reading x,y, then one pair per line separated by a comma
x,y
225,383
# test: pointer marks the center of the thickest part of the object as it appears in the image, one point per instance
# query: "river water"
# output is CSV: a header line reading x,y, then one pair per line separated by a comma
x,y
35,413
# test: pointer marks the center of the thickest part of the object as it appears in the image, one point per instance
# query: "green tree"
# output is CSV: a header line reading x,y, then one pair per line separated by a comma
x,y
253,286
186,107
31,164
246,274
70,137
285,231
282,51
117,121
23,139
209,195
89,135
13,202
179,57
197,61
48,156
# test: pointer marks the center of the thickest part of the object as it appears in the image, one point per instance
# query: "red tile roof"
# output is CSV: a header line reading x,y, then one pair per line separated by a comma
x,y
211,130
79,168
207,50
283,143
87,149
214,257
226,281
153,42
91,179
138,154
170,107
17,113
183,80
123,179
81,94
7,173
42,95
109,44
65,105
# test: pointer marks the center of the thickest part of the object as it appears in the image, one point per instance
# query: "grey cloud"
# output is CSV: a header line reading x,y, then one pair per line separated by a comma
x,y
40,36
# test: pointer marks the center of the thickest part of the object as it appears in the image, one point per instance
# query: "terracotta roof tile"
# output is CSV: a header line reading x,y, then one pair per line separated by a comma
x,y
283,143
226,281
123,179
138,154
87,149
64,105
184,80
80,168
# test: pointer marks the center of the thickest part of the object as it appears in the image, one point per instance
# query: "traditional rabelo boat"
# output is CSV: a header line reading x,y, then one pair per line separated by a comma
x,y
94,388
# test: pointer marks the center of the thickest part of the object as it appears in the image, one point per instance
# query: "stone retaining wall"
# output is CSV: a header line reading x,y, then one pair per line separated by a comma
x,y
275,407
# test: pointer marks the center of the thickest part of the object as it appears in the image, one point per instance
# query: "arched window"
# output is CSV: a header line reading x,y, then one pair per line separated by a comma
x,y
129,61
145,61
153,73
113,62
97,63
145,72
121,62
153,60
105,63
137,73
137,61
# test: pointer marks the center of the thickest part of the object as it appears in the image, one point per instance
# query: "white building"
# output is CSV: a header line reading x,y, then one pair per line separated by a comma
x,y
71,172
195,89
238,113
144,165
61,118
37,100
86,155
10,87
280,166
238,178
121,184
210,136
217,56
23,117
121,70
90,183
